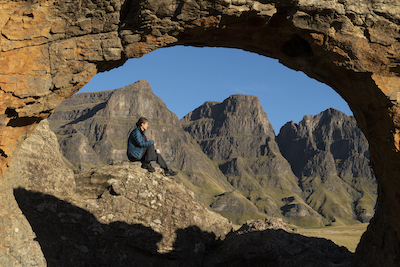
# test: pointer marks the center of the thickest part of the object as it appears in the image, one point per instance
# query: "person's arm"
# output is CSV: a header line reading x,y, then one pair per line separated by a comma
x,y
138,140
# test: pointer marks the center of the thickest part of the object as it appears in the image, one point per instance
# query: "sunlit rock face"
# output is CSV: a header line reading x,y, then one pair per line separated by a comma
x,y
329,154
50,49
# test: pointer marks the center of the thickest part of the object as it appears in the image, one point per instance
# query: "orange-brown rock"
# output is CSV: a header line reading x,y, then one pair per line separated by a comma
x,y
50,48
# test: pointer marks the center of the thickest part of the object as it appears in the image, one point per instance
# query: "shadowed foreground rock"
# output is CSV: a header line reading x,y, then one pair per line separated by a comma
x,y
74,237
271,243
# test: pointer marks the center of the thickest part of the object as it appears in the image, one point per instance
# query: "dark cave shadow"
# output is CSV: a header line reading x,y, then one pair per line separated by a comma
x,y
71,236
278,248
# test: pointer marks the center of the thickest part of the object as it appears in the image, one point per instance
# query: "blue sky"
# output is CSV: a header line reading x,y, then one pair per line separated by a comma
x,y
186,77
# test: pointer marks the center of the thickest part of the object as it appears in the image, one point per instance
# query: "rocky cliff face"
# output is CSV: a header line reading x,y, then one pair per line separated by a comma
x,y
330,156
122,215
331,179
237,135
40,166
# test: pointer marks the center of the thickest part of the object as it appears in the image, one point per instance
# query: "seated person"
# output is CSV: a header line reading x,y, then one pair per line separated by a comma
x,y
140,149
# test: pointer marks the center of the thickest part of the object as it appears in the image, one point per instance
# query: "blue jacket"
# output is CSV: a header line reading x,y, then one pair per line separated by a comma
x,y
136,143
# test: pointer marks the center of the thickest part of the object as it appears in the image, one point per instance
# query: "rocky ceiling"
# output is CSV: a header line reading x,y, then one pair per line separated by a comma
x,y
51,48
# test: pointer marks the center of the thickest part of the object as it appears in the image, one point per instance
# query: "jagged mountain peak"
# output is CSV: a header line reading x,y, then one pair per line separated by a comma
x,y
130,102
248,156
327,121
320,131
330,131
329,154
236,115
232,104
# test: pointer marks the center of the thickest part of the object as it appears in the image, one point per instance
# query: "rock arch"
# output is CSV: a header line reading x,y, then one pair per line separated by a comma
x,y
51,48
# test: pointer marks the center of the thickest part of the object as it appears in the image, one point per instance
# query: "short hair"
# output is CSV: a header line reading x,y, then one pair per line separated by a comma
x,y
141,121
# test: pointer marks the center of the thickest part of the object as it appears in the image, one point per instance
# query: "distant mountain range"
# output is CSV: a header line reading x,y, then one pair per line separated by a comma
x,y
313,173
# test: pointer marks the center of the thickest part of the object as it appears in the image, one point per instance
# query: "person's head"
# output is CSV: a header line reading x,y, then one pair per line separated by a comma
x,y
143,123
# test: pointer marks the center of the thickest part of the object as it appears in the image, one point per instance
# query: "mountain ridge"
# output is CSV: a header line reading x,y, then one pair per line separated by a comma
x,y
210,148
336,156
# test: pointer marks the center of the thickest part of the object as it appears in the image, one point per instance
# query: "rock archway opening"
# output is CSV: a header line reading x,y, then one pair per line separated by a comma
x,y
325,152
351,46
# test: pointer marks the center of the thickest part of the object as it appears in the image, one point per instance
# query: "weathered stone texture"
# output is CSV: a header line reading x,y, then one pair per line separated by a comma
x,y
270,243
40,166
350,45
152,200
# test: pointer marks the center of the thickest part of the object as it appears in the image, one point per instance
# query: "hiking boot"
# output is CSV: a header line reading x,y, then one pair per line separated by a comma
x,y
169,172
148,167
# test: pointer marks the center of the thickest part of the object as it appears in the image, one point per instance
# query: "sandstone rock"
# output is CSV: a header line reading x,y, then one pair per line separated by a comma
x,y
374,237
40,165
152,200
350,45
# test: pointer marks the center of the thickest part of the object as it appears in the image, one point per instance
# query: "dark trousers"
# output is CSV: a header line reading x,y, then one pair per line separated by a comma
x,y
150,154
